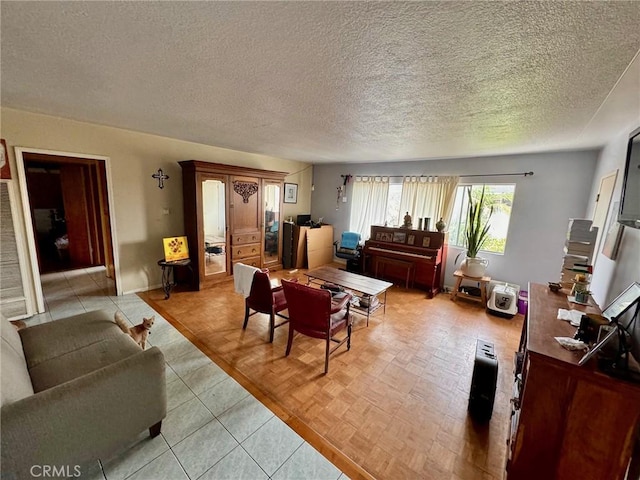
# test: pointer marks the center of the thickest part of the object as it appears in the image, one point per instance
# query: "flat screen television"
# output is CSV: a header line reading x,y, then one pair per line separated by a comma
x,y
629,214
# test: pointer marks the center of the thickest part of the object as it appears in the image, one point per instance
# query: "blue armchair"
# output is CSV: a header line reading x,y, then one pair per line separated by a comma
x,y
349,249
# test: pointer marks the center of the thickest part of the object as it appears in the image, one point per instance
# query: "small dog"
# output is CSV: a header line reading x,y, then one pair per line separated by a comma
x,y
140,332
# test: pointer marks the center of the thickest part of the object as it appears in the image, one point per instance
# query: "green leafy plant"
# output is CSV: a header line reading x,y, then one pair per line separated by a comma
x,y
476,228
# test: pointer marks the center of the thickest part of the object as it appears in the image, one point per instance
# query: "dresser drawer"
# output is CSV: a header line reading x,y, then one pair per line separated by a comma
x,y
252,261
244,238
244,251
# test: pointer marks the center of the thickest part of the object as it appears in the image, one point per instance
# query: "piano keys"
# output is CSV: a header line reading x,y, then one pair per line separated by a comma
x,y
414,257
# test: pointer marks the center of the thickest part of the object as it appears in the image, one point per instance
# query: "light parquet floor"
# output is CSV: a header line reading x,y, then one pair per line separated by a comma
x,y
395,405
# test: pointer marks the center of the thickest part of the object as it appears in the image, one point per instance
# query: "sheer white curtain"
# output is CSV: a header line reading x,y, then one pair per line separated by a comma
x,y
368,204
431,197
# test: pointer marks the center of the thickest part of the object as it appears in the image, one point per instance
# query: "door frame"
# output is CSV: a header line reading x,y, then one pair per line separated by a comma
x,y
28,222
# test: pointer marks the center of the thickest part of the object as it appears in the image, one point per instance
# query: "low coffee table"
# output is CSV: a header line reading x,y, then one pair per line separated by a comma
x,y
358,283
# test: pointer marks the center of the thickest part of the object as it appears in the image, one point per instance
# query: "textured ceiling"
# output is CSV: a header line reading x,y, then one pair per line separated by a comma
x,y
332,81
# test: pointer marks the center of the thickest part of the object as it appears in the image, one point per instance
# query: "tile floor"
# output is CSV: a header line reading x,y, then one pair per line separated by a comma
x,y
214,429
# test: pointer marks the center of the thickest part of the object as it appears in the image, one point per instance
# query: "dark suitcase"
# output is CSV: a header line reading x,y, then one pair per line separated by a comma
x,y
483,382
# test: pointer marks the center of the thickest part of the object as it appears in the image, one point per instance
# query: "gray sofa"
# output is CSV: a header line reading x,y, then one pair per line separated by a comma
x,y
75,390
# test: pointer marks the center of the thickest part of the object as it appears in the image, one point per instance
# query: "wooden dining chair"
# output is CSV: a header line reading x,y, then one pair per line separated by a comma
x,y
263,298
312,313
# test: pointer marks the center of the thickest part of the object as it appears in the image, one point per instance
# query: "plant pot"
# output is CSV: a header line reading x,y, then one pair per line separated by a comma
x,y
474,266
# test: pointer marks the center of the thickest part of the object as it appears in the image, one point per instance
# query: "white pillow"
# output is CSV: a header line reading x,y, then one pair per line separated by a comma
x,y
10,334
16,382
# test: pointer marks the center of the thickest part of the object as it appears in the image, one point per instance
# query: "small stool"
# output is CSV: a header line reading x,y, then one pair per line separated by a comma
x,y
168,271
481,280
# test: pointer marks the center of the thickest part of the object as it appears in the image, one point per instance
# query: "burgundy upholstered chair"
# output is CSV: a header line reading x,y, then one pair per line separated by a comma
x,y
312,313
264,298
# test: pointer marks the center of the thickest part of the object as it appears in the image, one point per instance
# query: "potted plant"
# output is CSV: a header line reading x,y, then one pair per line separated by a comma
x,y
476,232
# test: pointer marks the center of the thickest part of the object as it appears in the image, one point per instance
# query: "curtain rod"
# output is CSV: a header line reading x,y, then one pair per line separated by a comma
x,y
525,174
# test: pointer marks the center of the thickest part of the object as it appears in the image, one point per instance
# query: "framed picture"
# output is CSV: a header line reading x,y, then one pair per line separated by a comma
x,y
290,193
411,239
4,160
387,237
612,242
378,236
426,241
175,248
399,237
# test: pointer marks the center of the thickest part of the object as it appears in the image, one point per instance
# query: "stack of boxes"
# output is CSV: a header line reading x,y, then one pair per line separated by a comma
x,y
578,250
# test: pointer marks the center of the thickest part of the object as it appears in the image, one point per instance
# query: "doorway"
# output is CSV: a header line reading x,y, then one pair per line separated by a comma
x,y
67,213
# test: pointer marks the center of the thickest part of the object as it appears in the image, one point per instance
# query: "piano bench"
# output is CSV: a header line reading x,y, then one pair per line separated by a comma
x,y
407,266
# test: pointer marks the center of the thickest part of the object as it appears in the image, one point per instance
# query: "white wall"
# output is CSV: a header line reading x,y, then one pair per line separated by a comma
x,y
610,277
543,204
139,222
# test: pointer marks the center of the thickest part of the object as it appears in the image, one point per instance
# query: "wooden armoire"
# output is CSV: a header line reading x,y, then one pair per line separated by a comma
x,y
231,214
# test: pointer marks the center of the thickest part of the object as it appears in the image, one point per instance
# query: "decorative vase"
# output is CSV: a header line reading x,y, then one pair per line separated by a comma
x,y
440,225
474,266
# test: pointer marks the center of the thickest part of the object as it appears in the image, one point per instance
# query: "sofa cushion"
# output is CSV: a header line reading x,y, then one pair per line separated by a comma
x,y
44,342
81,361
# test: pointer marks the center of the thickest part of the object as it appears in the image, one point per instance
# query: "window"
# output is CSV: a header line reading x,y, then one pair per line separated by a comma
x,y
393,204
380,199
498,196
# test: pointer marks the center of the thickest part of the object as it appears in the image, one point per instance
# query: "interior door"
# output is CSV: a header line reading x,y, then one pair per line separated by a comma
x,y
603,200
73,178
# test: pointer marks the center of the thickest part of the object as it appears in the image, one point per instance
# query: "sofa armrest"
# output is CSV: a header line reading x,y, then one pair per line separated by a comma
x,y
86,418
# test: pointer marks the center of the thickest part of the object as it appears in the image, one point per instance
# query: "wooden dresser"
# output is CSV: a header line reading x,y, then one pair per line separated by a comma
x,y
568,421
412,257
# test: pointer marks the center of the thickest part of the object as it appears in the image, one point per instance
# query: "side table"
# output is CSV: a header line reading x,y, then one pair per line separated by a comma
x,y
168,272
483,281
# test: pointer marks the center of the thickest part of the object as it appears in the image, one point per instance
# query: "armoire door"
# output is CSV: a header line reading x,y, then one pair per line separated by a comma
x,y
213,240
272,200
246,220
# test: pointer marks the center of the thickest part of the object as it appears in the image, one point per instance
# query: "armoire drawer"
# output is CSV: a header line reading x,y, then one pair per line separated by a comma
x,y
244,238
252,261
244,251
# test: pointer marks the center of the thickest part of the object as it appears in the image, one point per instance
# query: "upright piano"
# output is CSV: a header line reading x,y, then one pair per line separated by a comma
x,y
413,257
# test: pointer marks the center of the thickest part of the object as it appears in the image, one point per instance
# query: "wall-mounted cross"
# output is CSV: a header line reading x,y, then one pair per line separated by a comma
x,y
161,177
